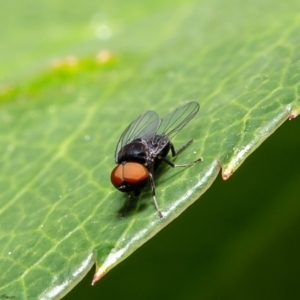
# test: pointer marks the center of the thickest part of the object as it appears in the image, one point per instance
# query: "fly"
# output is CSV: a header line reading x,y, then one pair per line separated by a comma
x,y
144,144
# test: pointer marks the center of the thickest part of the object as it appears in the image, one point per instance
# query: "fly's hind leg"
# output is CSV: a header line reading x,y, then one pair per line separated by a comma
x,y
176,152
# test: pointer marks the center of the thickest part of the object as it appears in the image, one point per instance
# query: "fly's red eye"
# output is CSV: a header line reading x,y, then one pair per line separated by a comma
x,y
134,172
116,176
130,172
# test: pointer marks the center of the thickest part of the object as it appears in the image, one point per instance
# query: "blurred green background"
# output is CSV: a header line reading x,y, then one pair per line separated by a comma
x,y
240,240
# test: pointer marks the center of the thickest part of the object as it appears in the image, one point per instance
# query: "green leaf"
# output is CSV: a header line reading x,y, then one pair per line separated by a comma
x,y
59,128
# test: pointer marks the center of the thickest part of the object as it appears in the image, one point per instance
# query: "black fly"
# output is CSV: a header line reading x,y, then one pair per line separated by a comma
x,y
144,144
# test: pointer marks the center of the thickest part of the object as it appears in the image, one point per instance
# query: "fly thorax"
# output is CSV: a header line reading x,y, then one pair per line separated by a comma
x,y
136,151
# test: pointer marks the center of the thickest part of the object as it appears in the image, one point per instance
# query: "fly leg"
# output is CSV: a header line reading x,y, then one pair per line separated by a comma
x,y
176,152
127,205
179,150
153,195
170,163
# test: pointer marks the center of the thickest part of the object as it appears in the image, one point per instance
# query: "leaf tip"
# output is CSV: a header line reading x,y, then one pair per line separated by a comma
x,y
293,115
98,275
227,173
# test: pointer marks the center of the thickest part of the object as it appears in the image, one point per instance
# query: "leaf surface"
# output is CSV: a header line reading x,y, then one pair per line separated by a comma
x,y
59,127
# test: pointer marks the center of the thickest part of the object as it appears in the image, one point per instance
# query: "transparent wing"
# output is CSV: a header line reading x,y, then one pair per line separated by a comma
x,y
177,119
144,127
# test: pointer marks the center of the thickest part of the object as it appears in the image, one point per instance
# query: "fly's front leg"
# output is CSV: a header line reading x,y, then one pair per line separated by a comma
x,y
153,195
176,152
170,163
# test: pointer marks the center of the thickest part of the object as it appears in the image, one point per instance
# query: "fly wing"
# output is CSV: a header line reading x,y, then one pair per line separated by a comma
x,y
177,119
144,127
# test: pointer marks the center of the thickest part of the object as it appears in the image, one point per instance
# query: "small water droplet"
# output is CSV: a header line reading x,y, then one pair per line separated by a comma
x,y
9,253
87,137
